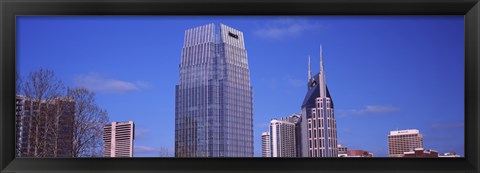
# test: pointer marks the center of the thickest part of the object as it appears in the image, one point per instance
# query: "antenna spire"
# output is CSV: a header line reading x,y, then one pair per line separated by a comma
x,y
321,77
321,59
309,69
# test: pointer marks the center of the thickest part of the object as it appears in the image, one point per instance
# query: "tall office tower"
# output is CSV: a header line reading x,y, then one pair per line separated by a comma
x,y
214,99
266,144
318,125
400,141
44,128
283,136
118,139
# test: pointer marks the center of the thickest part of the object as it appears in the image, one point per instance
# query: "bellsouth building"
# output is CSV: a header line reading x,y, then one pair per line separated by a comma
x,y
313,133
317,131
214,99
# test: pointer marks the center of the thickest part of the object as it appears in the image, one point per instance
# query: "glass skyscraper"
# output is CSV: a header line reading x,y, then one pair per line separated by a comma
x,y
214,99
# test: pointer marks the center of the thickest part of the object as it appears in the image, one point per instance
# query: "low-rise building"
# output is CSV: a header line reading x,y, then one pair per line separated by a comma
x,y
420,152
359,153
451,154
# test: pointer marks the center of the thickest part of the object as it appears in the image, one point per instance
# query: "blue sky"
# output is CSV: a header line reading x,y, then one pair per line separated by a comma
x,y
384,72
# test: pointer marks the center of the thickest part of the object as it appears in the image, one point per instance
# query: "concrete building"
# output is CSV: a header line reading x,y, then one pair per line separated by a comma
x,y
118,139
214,97
401,141
44,128
281,140
318,125
282,134
420,152
266,144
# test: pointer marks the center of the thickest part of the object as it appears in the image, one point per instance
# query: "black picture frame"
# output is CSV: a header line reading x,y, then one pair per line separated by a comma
x,y
9,9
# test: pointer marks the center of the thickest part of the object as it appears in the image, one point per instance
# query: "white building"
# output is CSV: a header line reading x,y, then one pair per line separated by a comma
x,y
342,150
118,139
282,134
266,144
401,141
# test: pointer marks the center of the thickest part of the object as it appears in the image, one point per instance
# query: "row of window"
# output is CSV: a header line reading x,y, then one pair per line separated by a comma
x,y
312,123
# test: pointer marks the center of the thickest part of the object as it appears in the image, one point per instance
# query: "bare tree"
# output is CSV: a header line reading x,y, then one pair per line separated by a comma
x,y
89,121
41,88
18,82
61,113
59,122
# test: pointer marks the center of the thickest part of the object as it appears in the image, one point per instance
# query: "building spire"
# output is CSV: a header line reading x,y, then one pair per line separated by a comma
x,y
309,70
322,81
323,96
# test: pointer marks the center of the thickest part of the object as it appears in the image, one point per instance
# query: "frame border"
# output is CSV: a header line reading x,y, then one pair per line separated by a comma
x,y
9,9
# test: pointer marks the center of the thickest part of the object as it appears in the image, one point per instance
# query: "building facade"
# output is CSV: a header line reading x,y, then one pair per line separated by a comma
x,y
44,128
318,125
214,98
283,137
118,139
266,144
401,141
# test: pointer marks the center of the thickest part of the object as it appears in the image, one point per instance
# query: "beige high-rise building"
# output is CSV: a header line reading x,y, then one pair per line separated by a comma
x,y
282,134
401,141
118,139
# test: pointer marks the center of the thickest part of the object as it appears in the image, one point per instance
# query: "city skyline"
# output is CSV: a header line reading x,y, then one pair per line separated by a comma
x,y
385,72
